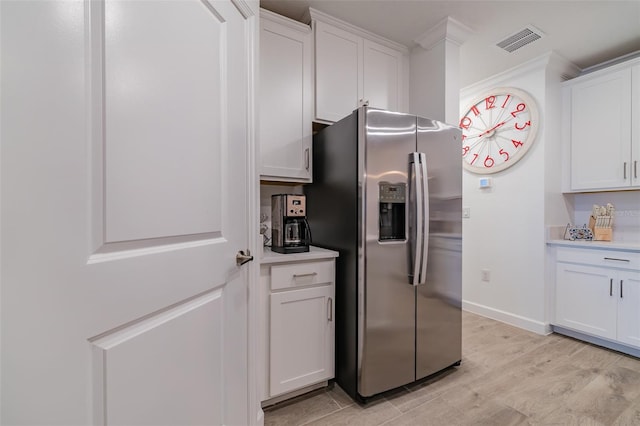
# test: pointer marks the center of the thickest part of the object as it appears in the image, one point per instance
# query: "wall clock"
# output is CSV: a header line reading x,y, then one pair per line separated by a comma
x,y
498,129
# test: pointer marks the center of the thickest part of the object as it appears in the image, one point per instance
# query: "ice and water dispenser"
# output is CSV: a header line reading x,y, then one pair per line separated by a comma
x,y
392,202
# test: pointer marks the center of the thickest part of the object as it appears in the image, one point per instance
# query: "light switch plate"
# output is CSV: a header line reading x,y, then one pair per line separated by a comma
x,y
486,182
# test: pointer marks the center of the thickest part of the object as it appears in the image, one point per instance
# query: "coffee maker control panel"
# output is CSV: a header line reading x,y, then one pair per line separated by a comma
x,y
295,206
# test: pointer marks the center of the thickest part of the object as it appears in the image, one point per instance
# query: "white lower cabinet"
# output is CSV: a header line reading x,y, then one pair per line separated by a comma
x,y
597,292
301,344
629,308
299,324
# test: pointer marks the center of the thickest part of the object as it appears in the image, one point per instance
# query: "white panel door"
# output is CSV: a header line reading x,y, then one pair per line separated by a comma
x,y
382,76
338,72
586,300
301,338
635,126
126,180
628,283
601,132
285,100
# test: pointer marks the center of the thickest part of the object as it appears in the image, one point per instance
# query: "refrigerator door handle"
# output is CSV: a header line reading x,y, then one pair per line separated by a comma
x,y
420,208
424,216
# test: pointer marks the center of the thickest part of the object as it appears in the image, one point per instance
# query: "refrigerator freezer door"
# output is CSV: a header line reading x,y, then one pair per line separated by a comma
x,y
438,301
386,299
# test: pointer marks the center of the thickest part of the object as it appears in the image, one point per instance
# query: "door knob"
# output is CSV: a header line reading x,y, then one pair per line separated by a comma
x,y
242,257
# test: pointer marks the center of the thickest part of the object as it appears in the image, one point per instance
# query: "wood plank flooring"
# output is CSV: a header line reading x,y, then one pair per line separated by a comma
x,y
508,376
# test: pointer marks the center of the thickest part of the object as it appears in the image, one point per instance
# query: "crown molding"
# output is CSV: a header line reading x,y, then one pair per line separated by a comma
x,y
283,20
316,15
447,29
549,61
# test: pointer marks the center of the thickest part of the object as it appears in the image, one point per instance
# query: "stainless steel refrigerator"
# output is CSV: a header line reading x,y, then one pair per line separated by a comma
x,y
387,194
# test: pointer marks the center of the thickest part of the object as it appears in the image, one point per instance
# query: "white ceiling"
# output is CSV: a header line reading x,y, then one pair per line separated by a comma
x,y
585,32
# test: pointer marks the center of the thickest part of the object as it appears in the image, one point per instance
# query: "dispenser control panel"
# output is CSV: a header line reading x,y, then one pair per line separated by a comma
x,y
295,206
392,192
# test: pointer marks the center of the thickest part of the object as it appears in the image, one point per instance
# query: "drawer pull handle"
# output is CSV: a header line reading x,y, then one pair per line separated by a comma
x,y
330,305
611,287
310,274
617,260
625,170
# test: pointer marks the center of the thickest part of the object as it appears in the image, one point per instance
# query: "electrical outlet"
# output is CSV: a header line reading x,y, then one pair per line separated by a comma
x,y
486,275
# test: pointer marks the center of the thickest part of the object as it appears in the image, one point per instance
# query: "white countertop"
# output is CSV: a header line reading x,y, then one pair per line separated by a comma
x,y
314,253
610,245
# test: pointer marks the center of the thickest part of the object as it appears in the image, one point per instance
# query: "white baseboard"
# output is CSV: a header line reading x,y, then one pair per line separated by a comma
x,y
508,318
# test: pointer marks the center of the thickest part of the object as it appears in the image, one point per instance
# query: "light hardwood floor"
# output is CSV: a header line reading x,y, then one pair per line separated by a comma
x,y
508,376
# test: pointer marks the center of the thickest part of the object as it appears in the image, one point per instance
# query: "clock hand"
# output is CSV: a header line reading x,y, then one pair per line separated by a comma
x,y
492,129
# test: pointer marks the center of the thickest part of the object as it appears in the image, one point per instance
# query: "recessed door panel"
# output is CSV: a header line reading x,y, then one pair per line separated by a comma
x,y
137,373
164,125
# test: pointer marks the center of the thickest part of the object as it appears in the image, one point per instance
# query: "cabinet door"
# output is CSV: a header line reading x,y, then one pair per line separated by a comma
x,y
285,101
628,295
302,343
586,300
601,132
635,131
338,72
382,79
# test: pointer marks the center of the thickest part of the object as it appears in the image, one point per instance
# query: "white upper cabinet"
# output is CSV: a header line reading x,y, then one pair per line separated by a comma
x,y
604,138
382,82
286,90
354,67
338,72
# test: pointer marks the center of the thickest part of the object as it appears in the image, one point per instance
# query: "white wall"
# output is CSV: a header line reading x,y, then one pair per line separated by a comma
x,y
434,73
427,97
506,232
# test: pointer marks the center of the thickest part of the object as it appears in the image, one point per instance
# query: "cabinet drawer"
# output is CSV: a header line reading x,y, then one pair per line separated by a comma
x,y
302,274
608,258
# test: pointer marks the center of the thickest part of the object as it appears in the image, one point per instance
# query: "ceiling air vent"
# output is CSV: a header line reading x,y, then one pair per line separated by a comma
x,y
523,37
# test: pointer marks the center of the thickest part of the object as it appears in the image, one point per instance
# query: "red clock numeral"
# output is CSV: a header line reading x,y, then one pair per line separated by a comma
x,y
505,154
475,110
519,108
465,123
475,157
465,150
528,123
489,102
516,143
506,101
489,162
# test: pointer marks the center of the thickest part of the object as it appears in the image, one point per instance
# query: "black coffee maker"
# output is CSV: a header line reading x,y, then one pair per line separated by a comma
x,y
290,231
